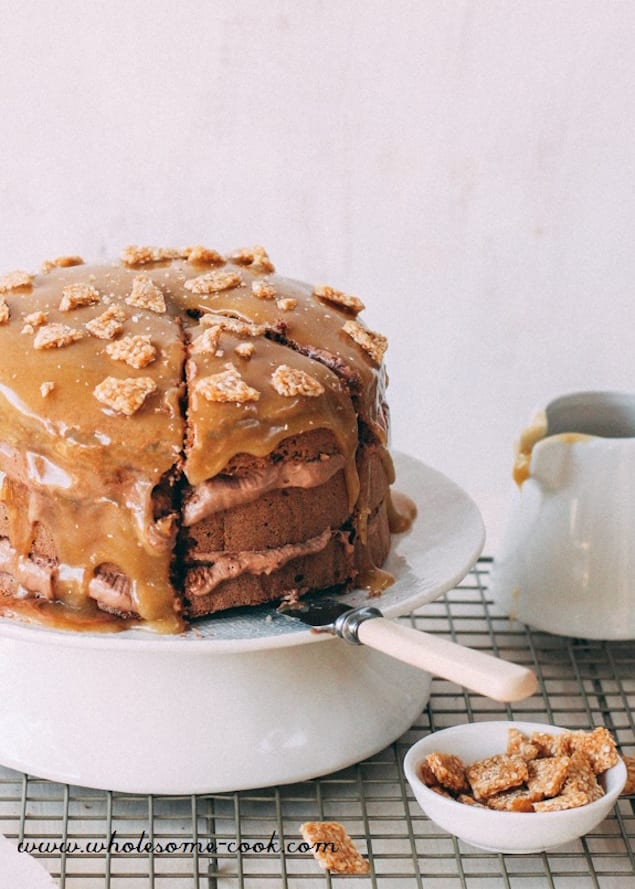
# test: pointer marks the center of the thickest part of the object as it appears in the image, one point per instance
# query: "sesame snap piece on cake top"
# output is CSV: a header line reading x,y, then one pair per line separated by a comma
x,y
194,433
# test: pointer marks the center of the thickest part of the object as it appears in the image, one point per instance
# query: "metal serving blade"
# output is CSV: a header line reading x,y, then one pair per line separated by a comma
x,y
476,670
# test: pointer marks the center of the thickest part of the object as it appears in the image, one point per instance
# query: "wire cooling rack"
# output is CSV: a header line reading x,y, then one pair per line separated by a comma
x,y
91,839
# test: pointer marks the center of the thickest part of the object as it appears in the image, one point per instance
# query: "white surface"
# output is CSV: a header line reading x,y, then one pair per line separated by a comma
x,y
510,832
21,871
196,715
567,563
463,166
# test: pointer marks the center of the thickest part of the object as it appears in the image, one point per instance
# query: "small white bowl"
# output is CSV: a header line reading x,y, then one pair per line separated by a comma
x,y
521,833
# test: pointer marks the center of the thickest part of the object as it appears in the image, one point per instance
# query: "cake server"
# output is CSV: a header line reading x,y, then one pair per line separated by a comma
x,y
480,672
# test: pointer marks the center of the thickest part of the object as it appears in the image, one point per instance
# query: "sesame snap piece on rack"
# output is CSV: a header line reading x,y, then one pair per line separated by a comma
x,y
629,787
333,848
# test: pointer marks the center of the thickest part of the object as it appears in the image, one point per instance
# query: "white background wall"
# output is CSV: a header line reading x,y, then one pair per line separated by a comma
x,y
468,168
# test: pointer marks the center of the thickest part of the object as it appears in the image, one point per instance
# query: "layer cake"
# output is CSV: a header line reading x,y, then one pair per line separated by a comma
x,y
183,432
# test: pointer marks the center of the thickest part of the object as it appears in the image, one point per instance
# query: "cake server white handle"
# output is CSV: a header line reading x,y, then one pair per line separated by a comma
x,y
476,670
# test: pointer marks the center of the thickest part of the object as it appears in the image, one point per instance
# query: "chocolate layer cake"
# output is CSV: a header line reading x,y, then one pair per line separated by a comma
x,y
184,432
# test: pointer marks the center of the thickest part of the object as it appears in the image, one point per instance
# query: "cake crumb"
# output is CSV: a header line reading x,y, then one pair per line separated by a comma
x,y
256,258
134,255
340,300
245,350
290,382
61,262
287,304
333,848
46,388
55,336
374,344
200,255
145,294
124,396
107,325
137,351
76,295
227,386
214,282
15,281
263,289
5,311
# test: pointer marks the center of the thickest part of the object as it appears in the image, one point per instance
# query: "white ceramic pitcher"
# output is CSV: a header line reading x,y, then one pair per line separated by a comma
x,y
567,563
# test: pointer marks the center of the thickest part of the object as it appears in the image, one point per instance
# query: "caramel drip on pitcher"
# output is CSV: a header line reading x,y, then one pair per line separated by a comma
x,y
104,386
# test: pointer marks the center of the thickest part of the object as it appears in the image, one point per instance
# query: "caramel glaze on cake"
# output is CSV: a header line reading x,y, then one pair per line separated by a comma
x,y
181,433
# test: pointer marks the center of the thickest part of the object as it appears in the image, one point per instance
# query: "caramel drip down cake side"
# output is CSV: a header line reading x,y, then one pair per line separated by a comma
x,y
182,432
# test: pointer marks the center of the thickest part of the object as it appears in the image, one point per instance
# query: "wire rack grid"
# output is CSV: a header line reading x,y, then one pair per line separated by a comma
x,y
91,839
